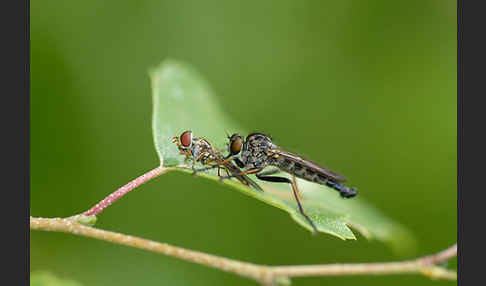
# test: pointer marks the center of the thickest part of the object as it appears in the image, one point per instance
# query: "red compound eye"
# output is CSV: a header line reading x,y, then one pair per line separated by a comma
x,y
186,138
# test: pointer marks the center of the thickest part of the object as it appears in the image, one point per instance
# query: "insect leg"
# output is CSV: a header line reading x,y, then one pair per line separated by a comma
x,y
294,180
239,163
204,169
226,160
236,173
294,190
199,157
247,172
269,172
249,182
215,162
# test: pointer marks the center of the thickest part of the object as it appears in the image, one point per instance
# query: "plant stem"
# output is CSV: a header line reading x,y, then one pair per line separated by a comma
x,y
268,275
106,202
70,226
424,265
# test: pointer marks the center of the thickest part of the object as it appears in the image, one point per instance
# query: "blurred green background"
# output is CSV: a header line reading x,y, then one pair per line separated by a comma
x,y
366,87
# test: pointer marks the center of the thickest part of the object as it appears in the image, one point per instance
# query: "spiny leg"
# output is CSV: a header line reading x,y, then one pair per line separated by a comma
x,y
215,164
226,160
241,176
199,158
275,171
294,190
269,172
247,172
253,184
294,181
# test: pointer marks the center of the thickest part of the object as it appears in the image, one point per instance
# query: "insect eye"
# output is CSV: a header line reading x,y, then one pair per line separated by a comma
x,y
186,138
236,142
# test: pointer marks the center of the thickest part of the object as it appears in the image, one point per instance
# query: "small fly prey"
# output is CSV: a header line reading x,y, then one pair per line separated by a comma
x,y
200,150
258,152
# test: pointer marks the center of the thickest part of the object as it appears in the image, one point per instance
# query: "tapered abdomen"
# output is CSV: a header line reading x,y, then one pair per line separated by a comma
x,y
324,178
301,171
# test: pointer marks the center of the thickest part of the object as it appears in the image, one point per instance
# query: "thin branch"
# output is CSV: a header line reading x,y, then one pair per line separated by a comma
x,y
441,256
268,275
425,265
106,202
68,225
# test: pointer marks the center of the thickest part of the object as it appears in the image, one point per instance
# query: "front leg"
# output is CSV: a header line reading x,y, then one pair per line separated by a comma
x,y
239,174
239,163
198,159
194,171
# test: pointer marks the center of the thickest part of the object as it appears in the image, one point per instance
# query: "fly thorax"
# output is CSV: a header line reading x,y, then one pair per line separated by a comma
x,y
257,156
200,147
255,150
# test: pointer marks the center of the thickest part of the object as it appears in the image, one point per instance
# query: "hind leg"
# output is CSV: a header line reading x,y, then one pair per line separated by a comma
x,y
294,190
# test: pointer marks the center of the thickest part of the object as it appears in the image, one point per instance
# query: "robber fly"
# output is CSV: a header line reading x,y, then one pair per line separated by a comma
x,y
258,152
200,150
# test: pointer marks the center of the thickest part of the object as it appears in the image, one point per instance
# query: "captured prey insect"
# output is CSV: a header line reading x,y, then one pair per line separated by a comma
x,y
200,150
258,152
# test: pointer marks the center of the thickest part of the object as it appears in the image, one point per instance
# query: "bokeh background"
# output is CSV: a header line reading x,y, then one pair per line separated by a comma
x,y
368,87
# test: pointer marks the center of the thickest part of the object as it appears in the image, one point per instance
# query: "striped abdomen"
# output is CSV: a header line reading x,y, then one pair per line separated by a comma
x,y
324,177
300,171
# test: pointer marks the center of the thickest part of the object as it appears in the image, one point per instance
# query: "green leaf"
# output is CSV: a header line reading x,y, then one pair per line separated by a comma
x,y
184,100
45,278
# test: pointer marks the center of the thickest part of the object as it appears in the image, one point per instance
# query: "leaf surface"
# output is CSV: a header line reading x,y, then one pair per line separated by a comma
x,y
183,100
